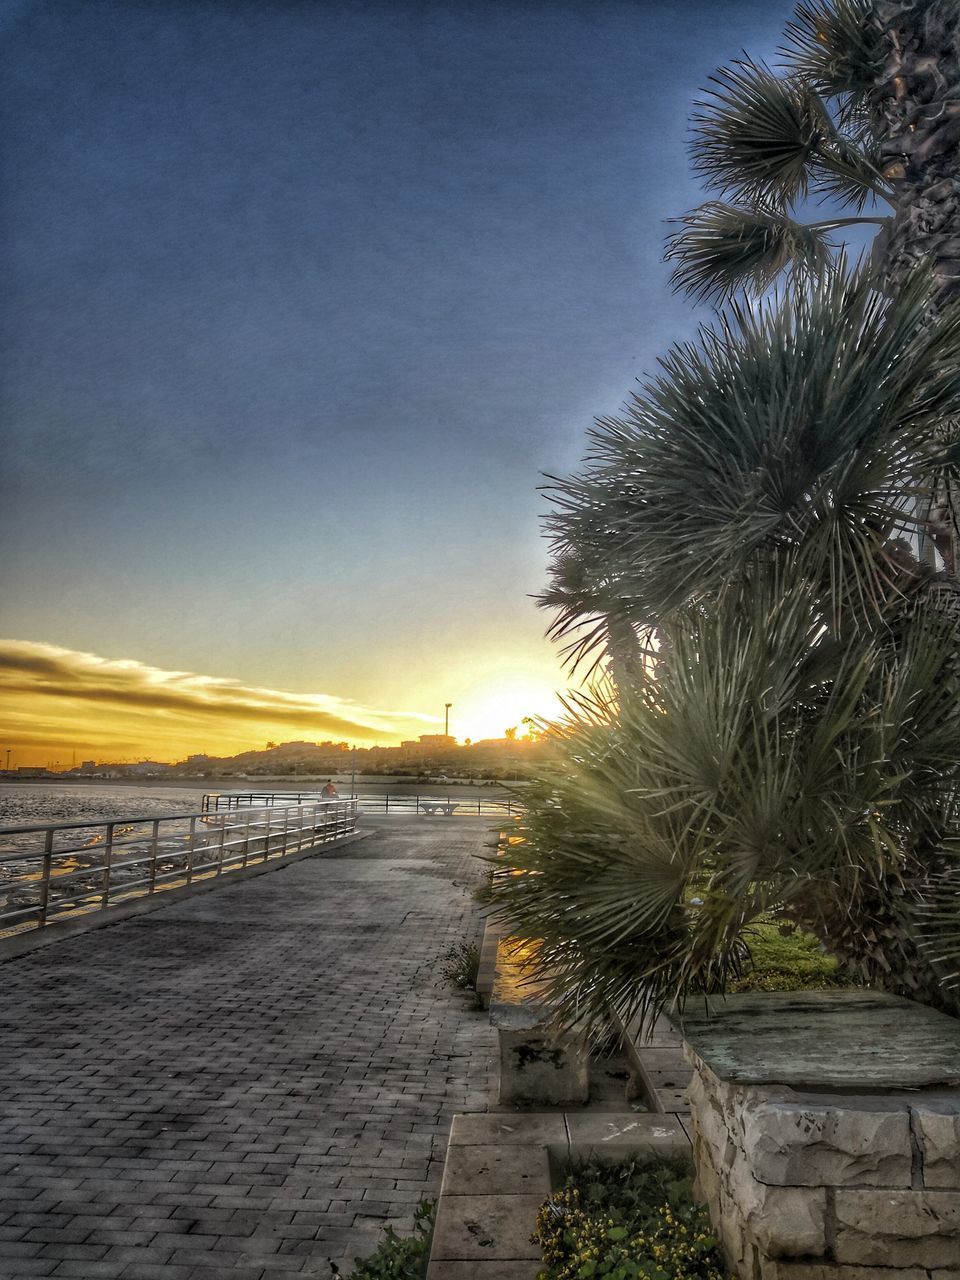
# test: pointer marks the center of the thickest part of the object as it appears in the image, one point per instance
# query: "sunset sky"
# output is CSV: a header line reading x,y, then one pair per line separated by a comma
x,y
299,301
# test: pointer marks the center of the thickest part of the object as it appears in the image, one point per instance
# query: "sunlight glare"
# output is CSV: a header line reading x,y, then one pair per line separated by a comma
x,y
485,710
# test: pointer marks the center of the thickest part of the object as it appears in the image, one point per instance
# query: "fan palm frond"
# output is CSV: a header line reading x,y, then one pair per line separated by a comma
x,y
849,171
722,248
795,425
936,917
763,766
838,46
755,135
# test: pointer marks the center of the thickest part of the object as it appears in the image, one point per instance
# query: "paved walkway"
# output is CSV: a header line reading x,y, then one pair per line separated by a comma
x,y
248,1083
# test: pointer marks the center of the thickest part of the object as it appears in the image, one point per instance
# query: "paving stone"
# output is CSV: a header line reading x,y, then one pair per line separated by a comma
x,y
514,1269
88,1270
508,1128
480,1227
245,1052
491,1170
616,1135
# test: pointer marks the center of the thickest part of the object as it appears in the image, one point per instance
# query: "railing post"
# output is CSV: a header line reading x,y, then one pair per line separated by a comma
x,y
300,830
266,838
107,862
283,837
191,841
222,847
154,850
246,839
45,878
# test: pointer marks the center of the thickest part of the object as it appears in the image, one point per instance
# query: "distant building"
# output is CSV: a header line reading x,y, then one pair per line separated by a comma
x,y
429,744
147,769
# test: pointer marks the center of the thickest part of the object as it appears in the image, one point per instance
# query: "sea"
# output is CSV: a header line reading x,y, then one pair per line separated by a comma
x,y
26,803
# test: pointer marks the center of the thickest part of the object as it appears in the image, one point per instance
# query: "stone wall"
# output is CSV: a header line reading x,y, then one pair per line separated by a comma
x,y
829,1185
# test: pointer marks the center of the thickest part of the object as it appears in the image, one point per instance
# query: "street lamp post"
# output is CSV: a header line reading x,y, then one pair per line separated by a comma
x,y
446,719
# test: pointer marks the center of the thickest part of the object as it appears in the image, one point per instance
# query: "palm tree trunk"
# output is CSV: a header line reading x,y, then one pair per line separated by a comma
x,y
917,119
624,653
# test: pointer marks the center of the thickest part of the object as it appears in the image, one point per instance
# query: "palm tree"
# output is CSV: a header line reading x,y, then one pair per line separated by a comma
x,y
793,745
866,115
591,619
799,751
865,118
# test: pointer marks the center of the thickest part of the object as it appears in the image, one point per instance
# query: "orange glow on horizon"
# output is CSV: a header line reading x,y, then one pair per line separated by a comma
x,y
487,709
58,706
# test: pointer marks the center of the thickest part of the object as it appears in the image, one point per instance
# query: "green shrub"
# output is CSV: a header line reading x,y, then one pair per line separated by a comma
x,y
398,1257
627,1221
483,890
785,959
460,965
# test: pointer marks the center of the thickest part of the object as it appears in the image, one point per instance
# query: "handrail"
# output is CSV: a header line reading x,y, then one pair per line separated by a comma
x,y
102,822
140,856
463,806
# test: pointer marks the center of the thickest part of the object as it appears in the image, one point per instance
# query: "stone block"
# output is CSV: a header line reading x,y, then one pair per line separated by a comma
x,y
474,1228
595,1132
512,1270
729,1229
493,1170
711,1125
706,1184
499,1129
787,1222
671,1100
898,1228
853,1040
770,1270
697,1091
539,1067
938,1131
789,1144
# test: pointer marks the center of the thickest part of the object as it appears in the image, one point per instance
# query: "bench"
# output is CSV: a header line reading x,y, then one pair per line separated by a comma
x,y
430,807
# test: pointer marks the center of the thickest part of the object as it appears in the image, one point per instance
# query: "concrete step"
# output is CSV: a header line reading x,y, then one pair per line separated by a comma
x,y
501,1166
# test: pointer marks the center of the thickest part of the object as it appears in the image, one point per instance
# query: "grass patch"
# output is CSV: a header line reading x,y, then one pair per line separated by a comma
x,y
785,959
483,889
398,1257
632,1220
460,966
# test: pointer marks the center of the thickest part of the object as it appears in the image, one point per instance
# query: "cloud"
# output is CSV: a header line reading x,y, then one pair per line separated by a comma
x,y
36,671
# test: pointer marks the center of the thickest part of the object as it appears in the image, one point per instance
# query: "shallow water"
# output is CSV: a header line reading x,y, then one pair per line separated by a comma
x,y
80,850
23,803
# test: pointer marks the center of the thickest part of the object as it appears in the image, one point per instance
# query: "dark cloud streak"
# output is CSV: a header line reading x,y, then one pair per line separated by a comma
x,y
42,671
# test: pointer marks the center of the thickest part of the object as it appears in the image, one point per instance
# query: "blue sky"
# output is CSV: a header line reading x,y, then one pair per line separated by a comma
x,y
301,298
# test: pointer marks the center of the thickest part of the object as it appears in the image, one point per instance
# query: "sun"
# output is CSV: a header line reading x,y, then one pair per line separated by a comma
x,y
486,709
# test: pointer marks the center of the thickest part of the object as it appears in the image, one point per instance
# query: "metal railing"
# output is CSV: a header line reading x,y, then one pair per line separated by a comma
x,y
57,871
462,806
